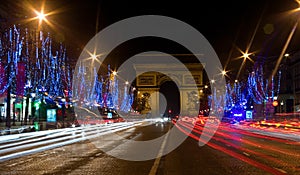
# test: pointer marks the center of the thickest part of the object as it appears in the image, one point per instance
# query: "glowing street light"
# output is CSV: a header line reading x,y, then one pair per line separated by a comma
x,y
94,57
246,55
41,16
114,73
223,72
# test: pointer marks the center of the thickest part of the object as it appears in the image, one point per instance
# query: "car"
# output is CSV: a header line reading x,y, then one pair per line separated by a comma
x,y
109,115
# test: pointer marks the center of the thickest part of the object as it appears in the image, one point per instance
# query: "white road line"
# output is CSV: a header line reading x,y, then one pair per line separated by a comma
x,y
11,165
280,170
98,154
246,154
159,155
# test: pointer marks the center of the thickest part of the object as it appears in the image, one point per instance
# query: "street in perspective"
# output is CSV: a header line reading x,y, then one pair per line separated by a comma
x,y
99,87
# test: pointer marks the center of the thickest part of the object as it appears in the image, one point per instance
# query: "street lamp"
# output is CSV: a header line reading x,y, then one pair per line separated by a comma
x,y
41,16
245,56
223,72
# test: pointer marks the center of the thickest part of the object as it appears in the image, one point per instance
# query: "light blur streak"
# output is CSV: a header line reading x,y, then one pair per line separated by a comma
x,y
25,136
234,154
85,134
64,133
284,48
88,130
234,145
242,141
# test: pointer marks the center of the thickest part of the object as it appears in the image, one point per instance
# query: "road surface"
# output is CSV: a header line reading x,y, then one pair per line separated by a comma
x,y
230,151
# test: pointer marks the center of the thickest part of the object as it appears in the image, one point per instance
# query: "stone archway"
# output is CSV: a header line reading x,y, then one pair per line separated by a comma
x,y
148,83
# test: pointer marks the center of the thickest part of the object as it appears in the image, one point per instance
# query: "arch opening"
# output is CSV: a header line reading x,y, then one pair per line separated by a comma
x,y
170,95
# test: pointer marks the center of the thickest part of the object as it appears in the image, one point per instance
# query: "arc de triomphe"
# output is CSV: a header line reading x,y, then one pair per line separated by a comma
x,y
148,85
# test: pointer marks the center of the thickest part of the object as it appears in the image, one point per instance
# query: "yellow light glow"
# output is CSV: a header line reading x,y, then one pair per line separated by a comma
x,y
246,55
224,72
94,56
114,73
41,16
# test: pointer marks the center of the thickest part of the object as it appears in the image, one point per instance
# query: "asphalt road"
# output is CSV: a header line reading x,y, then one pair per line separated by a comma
x,y
230,151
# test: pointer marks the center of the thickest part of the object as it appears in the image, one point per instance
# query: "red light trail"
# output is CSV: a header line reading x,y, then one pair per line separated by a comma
x,y
238,141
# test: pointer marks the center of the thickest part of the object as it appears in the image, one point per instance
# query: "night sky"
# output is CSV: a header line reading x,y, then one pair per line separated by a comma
x,y
227,25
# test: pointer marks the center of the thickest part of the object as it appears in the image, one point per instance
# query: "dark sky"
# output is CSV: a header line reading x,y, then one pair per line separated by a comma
x,y
227,25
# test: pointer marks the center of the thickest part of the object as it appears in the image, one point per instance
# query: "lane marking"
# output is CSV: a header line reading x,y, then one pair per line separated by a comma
x,y
246,154
98,154
280,170
12,164
159,155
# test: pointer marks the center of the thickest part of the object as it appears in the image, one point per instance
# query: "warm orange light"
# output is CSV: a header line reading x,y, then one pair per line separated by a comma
x,y
223,72
246,55
275,103
41,16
